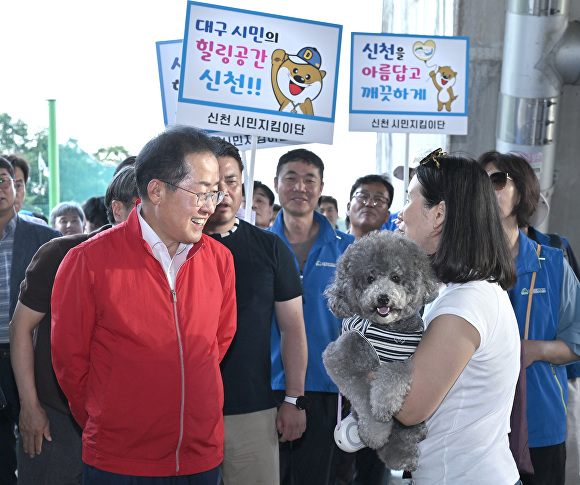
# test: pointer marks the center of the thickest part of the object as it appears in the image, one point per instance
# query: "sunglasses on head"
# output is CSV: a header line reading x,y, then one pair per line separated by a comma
x,y
499,179
433,157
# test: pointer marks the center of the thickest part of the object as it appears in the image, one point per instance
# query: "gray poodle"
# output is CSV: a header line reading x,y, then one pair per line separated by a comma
x,y
385,278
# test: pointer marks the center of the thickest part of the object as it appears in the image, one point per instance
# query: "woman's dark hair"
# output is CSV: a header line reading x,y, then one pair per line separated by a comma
x,y
524,179
473,245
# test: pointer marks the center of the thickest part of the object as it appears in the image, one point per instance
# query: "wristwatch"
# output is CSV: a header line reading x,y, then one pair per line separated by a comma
x,y
301,402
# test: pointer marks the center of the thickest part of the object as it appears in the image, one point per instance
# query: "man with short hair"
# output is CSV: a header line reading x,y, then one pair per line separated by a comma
x,y
121,195
263,204
142,315
370,200
267,283
19,242
328,207
49,449
21,173
68,218
316,247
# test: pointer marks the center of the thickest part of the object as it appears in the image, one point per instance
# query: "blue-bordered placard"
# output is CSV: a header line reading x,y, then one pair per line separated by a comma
x,y
409,83
259,74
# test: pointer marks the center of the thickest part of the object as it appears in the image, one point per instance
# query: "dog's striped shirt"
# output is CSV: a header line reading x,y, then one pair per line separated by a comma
x,y
389,346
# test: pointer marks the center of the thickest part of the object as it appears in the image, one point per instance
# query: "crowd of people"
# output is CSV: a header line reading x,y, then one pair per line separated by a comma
x,y
166,340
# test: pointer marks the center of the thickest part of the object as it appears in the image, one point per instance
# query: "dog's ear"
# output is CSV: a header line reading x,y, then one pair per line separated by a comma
x,y
337,297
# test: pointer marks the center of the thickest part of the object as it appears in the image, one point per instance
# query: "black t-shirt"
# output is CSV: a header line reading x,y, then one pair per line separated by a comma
x,y
265,272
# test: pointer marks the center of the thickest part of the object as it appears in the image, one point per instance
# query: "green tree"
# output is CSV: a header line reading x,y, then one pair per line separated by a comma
x,y
112,156
81,175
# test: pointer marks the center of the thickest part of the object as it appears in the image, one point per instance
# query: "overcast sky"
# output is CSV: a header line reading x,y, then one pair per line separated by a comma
x,y
98,60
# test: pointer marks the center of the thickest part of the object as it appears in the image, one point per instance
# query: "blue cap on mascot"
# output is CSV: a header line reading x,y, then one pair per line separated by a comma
x,y
307,55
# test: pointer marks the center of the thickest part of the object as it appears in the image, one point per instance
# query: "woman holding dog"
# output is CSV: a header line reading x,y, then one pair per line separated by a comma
x,y
466,366
552,337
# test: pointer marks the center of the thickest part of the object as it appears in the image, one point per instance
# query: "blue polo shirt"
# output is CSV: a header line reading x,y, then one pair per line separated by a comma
x,y
322,327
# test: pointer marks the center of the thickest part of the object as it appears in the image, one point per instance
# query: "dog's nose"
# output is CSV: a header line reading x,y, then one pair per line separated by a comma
x,y
299,79
383,300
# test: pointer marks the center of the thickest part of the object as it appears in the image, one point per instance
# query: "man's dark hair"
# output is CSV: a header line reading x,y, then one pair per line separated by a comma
x,y
163,157
265,188
373,179
20,162
301,155
524,179
473,245
226,149
328,199
95,211
128,162
7,165
122,188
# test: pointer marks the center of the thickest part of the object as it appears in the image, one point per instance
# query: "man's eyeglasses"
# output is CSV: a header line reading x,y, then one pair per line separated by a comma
x,y
378,200
5,183
499,180
433,157
215,197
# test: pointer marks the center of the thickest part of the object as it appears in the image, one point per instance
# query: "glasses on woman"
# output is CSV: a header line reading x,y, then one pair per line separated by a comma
x,y
215,197
433,157
499,180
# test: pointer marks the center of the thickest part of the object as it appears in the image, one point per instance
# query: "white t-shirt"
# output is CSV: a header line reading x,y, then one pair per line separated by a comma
x,y
467,437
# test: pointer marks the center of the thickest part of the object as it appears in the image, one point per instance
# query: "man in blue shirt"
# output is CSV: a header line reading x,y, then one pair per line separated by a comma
x,y
316,247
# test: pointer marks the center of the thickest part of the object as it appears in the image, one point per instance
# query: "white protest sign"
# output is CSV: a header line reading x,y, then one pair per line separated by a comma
x,y
169,63
253,73
409,83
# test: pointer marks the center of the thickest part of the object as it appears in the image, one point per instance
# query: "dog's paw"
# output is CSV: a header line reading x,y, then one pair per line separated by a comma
x,y
401,452
391,383
372,433
350,355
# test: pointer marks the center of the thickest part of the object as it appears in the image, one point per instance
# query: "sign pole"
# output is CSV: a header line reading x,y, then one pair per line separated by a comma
x,y
53,181
406,169
250,185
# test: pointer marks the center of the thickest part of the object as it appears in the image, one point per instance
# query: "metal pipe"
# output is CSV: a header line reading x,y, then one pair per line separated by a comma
x,y
540,55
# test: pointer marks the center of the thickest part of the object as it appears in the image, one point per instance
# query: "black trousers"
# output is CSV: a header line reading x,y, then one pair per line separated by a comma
x,y
8,419
549,465
306,461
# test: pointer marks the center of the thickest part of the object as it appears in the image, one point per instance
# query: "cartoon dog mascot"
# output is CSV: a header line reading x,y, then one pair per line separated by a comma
x,y
297,80
444,80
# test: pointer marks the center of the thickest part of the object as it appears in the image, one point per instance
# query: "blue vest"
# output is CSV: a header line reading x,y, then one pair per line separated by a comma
x,y
547,384
322,327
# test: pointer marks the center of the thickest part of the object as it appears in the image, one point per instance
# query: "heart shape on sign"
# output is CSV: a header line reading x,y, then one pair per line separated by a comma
x,y
425,51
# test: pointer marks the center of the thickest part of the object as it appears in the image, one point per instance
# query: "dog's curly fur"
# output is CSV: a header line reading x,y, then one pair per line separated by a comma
x,y
386,278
